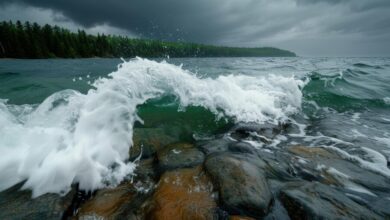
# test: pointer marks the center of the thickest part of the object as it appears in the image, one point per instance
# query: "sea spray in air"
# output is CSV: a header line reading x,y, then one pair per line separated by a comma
x,y
85,138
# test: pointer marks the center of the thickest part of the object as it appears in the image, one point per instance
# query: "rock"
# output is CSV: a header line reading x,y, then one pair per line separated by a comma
x,y
242,187
215,146
106,202
183,194
237,217
18,204
179,155
312,152
265,131
121,202
146,170
313,200
150,140
330,168
241,147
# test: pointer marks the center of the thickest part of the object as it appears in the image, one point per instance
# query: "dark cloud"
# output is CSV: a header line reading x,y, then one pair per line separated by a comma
x,y
285,23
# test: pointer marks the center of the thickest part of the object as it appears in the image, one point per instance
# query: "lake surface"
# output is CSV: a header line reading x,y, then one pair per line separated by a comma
x,y
72,121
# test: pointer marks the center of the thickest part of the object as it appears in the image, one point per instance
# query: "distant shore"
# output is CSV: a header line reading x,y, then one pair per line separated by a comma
x,y
32,41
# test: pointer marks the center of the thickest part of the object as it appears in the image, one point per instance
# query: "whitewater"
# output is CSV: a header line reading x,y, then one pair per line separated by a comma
x,y
84,138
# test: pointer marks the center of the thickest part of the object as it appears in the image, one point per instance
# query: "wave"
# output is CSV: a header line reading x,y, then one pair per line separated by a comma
x,y
7,75
85,138
363,65
347,89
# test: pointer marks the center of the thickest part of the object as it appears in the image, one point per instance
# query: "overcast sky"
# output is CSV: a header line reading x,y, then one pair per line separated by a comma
x,y
307,27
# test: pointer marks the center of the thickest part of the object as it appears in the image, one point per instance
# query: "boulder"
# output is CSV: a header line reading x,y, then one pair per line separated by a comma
x,y
182,194
215,145
243,189
265,131
179,155
237,217
121,202
313,200
149,141
18,204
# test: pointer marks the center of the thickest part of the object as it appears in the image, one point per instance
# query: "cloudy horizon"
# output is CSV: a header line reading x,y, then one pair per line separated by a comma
x,y
308,28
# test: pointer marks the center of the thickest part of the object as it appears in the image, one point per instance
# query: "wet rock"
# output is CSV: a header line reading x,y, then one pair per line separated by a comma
x,y
277,212
149,140
216,145
106,202
332,169
312,152
265,131
242,186
179,155
237,217
313,200
18,204
241,147
121,202
146,170
183,194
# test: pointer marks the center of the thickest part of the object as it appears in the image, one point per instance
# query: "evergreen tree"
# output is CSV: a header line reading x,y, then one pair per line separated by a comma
x,y
33,41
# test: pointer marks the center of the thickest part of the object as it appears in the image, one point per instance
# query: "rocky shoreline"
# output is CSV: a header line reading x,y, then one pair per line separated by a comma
x,y
222,178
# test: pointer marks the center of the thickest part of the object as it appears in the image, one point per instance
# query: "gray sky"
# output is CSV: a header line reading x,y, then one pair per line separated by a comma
x,y
307,27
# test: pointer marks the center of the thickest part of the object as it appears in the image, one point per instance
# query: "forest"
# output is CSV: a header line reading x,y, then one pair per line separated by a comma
x,y
31,40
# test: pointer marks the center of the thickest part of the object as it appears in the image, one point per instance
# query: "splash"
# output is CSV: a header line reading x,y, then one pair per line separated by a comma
x,y
85,138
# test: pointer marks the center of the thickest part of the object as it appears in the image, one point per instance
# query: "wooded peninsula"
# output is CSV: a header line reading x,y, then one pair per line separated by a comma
x,y
30,40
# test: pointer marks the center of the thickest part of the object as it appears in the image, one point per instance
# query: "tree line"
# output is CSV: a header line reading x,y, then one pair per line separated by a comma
x,y
30,40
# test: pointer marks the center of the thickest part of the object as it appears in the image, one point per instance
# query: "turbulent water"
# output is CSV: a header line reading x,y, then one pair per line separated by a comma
x,y
72,121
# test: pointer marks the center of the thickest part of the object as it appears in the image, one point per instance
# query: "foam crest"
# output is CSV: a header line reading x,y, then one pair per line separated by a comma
x,y
85,138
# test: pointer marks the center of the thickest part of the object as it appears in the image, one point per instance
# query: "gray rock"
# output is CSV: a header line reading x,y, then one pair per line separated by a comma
x,y
268,131
18,204
215,146
242,186
241,147
149,141
313,200
179,155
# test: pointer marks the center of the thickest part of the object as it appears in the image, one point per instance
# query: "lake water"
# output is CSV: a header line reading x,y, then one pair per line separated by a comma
x,y
72,121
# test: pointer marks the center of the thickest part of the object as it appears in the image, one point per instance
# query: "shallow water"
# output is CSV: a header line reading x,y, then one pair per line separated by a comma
x,y
71,121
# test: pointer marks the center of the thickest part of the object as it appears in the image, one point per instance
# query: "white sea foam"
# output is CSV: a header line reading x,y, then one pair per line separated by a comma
x,y
85,138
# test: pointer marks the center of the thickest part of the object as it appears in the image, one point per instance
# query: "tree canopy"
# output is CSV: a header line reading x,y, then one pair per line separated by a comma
x,y
30,40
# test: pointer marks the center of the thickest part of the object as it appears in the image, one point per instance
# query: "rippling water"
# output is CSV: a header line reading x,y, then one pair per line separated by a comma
x,y
68,121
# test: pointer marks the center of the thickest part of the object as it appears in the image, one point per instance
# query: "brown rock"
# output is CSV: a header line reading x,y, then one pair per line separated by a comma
x,y
106,202
311,152
183,194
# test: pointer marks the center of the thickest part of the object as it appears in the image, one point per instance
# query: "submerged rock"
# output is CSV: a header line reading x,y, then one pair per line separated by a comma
x,y
312,152
242,187
237,217
216,145
331,169
313,200
149,141
18,204
182,194
179,155
264,131
241,147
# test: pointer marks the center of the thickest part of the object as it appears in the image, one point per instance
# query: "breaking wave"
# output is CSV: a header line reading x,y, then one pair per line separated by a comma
x,y
85,138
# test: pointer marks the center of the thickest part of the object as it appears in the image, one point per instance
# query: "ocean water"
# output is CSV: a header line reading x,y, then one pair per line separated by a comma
x,y
72,121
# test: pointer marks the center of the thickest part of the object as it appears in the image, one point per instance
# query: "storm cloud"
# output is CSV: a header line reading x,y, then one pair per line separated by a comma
x,y
308,27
